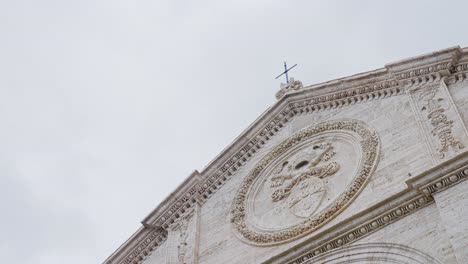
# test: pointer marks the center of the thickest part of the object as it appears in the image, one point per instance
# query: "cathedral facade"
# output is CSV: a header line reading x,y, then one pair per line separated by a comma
x,y
369,168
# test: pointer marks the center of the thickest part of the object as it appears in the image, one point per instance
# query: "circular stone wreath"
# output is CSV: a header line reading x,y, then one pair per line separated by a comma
x,y
370,147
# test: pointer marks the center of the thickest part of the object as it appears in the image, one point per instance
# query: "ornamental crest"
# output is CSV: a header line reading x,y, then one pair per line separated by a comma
x,y
304,182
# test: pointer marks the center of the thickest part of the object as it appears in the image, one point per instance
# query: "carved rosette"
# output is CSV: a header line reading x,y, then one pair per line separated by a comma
x,y
307,179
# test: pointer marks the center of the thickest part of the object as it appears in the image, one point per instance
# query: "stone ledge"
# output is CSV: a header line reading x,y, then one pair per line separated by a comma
x,y
417,195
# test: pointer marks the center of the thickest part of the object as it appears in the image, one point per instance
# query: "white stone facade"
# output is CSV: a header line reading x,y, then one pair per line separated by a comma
x,y
365,169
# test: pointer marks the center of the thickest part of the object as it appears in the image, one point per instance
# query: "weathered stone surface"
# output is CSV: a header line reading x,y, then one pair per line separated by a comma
x,y
370,168
453,209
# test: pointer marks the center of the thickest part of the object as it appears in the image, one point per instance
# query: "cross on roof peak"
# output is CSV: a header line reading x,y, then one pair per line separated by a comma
x,y
286,70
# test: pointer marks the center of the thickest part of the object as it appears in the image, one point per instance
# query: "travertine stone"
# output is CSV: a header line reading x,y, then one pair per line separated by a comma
x,y
160,254
441,125
305,181
370,168
375,253
181,245
421,231
453,209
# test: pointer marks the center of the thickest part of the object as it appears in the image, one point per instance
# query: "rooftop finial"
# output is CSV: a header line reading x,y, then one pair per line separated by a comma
x,y
290,85
286,72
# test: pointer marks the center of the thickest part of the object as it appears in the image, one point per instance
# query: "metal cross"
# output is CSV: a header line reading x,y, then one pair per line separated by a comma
x,y
286,72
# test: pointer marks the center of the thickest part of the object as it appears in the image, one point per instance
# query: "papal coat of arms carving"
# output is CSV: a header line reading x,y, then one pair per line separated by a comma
x,y
305,182
300,179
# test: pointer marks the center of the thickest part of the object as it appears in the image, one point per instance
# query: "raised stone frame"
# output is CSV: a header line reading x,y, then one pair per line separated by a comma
x,y
370,147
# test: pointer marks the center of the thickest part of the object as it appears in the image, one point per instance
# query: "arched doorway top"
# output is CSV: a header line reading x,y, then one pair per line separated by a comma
x,y
375,253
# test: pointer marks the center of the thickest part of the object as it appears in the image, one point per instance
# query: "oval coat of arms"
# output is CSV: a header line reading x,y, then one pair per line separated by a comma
x,y
304,182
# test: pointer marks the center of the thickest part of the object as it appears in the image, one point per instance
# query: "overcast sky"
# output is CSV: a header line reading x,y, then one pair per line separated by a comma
x,y
106,106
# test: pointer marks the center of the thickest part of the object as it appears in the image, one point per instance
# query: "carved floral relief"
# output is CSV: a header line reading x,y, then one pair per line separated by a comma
x,y
184,238
304,182
440,120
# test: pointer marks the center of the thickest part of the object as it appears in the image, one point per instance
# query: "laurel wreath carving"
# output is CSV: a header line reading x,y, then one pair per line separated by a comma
x,y
370,147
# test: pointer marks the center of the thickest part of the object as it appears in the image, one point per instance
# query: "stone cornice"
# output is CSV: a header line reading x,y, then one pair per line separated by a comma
x,y
185,194
139,246
373,85
440,62
441,177
418,194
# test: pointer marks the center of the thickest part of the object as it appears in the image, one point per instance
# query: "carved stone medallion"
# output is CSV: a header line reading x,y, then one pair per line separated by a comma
x,y
304,182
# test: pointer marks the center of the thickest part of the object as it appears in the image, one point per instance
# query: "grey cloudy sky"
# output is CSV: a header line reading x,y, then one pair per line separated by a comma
x,y
106,106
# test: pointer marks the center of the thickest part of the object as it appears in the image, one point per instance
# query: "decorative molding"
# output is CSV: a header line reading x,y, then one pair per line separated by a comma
x,y
181,225
445,182
370,252
358,94
442,68
416,69
176,204
292,86
378,84
459,73
364,229
416,196
370,147
461,67
442,176
438,118
145,247
210,184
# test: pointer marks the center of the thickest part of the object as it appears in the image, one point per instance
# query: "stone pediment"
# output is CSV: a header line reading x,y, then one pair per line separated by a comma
x,y
400,78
